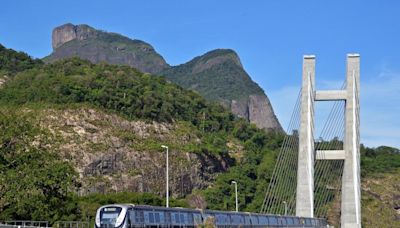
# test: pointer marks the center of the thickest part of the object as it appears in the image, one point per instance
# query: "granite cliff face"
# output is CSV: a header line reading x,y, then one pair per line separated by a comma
x,y
258,110
217,75
68,32
98,46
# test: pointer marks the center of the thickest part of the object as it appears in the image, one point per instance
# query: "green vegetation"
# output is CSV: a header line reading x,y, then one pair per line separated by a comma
x,y
226,80
252,172
380,168
379,160
137,96
116,88
12,62
35,183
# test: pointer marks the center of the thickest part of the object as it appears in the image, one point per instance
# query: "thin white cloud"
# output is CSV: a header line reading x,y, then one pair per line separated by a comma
x,y
380,107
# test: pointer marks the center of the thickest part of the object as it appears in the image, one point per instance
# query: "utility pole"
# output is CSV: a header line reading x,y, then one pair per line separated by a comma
x,y
167,178
236,195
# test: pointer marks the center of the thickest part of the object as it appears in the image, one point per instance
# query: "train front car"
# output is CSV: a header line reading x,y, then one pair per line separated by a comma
x,y
111,216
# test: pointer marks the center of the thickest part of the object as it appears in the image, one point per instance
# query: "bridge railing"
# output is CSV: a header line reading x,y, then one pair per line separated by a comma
x,y
43,224
23,223
71,224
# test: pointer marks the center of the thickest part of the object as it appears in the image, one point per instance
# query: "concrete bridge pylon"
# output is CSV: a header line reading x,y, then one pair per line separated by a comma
x,y
351,187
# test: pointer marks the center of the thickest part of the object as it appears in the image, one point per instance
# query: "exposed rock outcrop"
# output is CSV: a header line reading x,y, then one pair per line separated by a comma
x,y
258,110
98,46
68,32
113,154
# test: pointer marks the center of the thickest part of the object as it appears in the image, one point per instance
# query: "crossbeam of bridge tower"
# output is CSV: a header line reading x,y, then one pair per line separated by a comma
x,y
305,170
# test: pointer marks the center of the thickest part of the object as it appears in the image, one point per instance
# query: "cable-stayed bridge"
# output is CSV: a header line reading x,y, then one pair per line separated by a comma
x,y
321,177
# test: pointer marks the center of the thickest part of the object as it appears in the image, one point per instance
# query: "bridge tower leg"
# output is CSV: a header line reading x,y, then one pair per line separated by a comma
x,y
351,190
305,170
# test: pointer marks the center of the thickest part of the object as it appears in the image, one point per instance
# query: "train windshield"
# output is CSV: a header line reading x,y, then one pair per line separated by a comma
x,y
109,215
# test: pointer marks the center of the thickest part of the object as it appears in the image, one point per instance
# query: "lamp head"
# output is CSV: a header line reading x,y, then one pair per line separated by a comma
x,y
166,147
234,182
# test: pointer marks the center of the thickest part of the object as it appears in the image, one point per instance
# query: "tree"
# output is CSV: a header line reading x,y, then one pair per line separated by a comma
x,y
34,182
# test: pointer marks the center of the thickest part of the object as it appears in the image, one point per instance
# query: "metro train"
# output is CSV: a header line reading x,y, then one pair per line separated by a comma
x,y
129,216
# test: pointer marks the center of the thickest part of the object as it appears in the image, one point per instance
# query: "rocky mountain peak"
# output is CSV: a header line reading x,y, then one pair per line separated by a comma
x,y
88,43
215,57
67,32
219,75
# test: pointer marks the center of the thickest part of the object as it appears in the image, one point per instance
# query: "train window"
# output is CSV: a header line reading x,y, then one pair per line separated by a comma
x,y
234,219
308,221
139,217
220,219
227,219
313,222
157,217
272,220
168,217
238,219
254,220
190,218
197,219
289,221
177,218
182,218
296,221
151,217
247,220
262,220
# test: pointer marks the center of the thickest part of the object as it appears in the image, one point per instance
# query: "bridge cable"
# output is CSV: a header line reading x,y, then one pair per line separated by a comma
x,y
271,190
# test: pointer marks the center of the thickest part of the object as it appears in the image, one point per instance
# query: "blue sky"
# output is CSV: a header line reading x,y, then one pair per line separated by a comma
x,y
270,37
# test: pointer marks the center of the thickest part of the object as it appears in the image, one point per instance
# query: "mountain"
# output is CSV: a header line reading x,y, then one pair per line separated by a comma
x,y
97,46
217,75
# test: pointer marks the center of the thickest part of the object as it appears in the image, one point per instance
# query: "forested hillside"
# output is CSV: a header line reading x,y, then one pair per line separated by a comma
x,y
75,111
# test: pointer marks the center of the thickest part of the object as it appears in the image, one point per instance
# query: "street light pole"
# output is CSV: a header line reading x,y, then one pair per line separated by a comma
x,y
167,178
236,195
284,202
